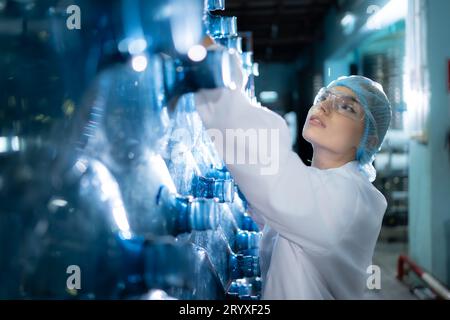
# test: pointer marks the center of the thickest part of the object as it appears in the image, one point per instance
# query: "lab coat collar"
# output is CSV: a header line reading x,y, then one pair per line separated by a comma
x,y
352,165
351,168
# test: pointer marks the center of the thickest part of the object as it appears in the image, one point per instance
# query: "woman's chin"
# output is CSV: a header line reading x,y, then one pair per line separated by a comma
x,y
318,142
311,136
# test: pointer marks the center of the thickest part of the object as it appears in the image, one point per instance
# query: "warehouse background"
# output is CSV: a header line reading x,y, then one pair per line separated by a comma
x,y
303,45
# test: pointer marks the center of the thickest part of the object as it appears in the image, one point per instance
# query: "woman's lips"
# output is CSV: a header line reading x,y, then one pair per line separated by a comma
x,y
316,121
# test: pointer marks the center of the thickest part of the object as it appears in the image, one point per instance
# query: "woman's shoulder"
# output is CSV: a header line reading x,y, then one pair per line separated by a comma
x,y
351,184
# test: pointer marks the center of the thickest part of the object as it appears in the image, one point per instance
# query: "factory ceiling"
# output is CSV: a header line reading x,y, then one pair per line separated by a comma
x,y
281,29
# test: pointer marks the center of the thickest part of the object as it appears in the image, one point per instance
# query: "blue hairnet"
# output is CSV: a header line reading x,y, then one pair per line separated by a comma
x,y
377,109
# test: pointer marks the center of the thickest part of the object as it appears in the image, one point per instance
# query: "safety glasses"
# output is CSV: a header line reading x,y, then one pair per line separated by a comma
x,y
345,105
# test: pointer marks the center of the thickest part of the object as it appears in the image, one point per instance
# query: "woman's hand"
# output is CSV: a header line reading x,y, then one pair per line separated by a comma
x,y
232,66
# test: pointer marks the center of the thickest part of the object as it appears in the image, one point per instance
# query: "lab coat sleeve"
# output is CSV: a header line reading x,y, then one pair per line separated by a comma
x,y
302,204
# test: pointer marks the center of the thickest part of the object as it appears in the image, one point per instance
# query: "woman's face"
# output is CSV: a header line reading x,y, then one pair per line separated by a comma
x,y
336,123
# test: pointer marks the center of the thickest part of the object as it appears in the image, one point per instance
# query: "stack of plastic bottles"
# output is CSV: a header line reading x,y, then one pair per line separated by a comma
x,y
121,184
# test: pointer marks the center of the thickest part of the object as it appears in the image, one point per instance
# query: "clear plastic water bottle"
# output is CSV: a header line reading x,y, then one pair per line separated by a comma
x,y
222,189
228,264
188,213
244,289
212,5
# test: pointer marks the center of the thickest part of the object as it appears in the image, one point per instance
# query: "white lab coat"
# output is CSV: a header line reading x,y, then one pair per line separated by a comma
x,y
321,226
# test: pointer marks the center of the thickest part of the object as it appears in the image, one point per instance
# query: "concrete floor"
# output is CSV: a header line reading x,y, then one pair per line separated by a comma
x,y
390,245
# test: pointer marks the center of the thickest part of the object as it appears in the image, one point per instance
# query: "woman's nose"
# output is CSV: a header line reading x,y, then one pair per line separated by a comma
x,y
325,107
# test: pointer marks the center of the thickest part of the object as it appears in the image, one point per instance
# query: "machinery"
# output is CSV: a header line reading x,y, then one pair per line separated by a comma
x,y
110,187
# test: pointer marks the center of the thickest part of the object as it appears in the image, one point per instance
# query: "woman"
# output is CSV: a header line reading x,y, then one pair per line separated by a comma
x,y
321,222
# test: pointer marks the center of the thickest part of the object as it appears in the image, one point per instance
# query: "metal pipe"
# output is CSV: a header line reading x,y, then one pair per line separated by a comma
x,y
432,282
